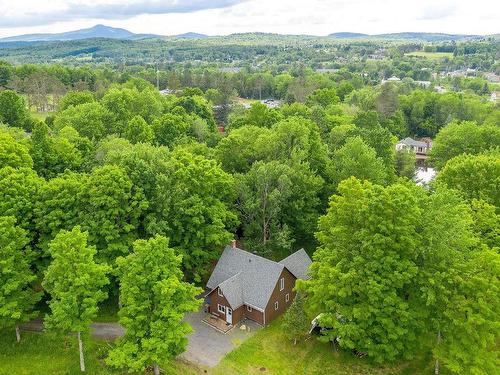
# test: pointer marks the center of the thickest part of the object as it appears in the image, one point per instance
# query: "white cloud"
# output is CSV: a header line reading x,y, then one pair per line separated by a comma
x,y
319,17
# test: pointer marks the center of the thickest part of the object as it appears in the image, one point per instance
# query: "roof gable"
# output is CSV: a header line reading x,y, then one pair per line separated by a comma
x,y
246,278
298,264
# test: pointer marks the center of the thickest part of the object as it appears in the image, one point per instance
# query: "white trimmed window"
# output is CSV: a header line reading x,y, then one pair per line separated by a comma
x,y
276,305
287,297
219,292
221,308
249,309
282,283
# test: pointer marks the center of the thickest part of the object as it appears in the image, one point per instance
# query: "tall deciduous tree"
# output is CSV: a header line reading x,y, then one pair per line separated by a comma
x,y
13,153
17,298
112,211
356,159
19,189
273,194
470,327
154,300
476,176
13,110
75,282
465,137
383,275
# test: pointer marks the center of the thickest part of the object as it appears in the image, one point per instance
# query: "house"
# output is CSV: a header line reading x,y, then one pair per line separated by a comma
x,y
246,285
421,148
425,84
495,96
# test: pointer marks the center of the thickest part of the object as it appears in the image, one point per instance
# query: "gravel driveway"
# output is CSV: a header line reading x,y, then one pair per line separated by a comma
x,y
207,346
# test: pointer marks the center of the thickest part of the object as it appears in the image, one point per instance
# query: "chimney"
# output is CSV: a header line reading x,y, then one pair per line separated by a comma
x,y
233,244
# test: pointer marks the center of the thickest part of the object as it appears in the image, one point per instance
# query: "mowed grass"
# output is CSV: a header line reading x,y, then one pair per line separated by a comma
x,y
269,352
431,55
41,353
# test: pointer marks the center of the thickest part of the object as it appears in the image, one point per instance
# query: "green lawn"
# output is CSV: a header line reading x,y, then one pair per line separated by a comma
x,y
41,353
431,55
269,352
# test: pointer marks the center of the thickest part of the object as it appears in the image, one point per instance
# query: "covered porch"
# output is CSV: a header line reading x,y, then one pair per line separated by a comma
x,y
217,323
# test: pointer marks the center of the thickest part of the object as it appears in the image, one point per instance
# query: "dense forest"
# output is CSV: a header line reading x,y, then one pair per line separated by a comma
x,y
115,190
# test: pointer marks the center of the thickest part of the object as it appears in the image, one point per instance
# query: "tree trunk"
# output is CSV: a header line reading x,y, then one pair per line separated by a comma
x,y
156,369
295,341
80,347
18,335
436,364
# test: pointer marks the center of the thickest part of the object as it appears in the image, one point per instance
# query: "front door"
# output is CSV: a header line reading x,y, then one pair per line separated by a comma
x,y
229,315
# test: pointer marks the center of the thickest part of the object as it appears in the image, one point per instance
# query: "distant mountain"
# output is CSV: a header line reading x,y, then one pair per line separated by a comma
x,y
192,36
347,35
98,31
428,37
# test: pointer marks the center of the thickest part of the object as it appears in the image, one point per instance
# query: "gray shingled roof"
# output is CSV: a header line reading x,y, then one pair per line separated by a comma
x,y
411,142
298,264
246,278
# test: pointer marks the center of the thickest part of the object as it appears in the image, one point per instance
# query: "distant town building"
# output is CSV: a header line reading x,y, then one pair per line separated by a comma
x,y
392,79
425,84
421,148
495,96
272,103
440,89
168,92
230,69
492,77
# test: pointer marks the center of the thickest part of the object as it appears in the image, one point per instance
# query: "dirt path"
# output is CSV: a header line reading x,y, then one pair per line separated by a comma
x,y
105,331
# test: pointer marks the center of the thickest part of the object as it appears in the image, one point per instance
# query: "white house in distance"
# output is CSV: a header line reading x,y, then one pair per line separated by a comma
x,y
421,148
393,79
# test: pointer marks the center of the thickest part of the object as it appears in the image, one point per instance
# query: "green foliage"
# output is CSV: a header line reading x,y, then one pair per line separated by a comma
x,y
112,208
323,97
295,323
274,195
13,153
463,137
170,128
427,112
53,154
258,115
486,222
356,159
406,163
380,276
17,298
138,131
476,176
242,147
74,282
60,206
471,318
196,201
13,110
19,189
154,300
90,120
74,98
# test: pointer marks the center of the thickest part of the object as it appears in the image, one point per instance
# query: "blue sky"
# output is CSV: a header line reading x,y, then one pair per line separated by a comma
x,y
220,17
